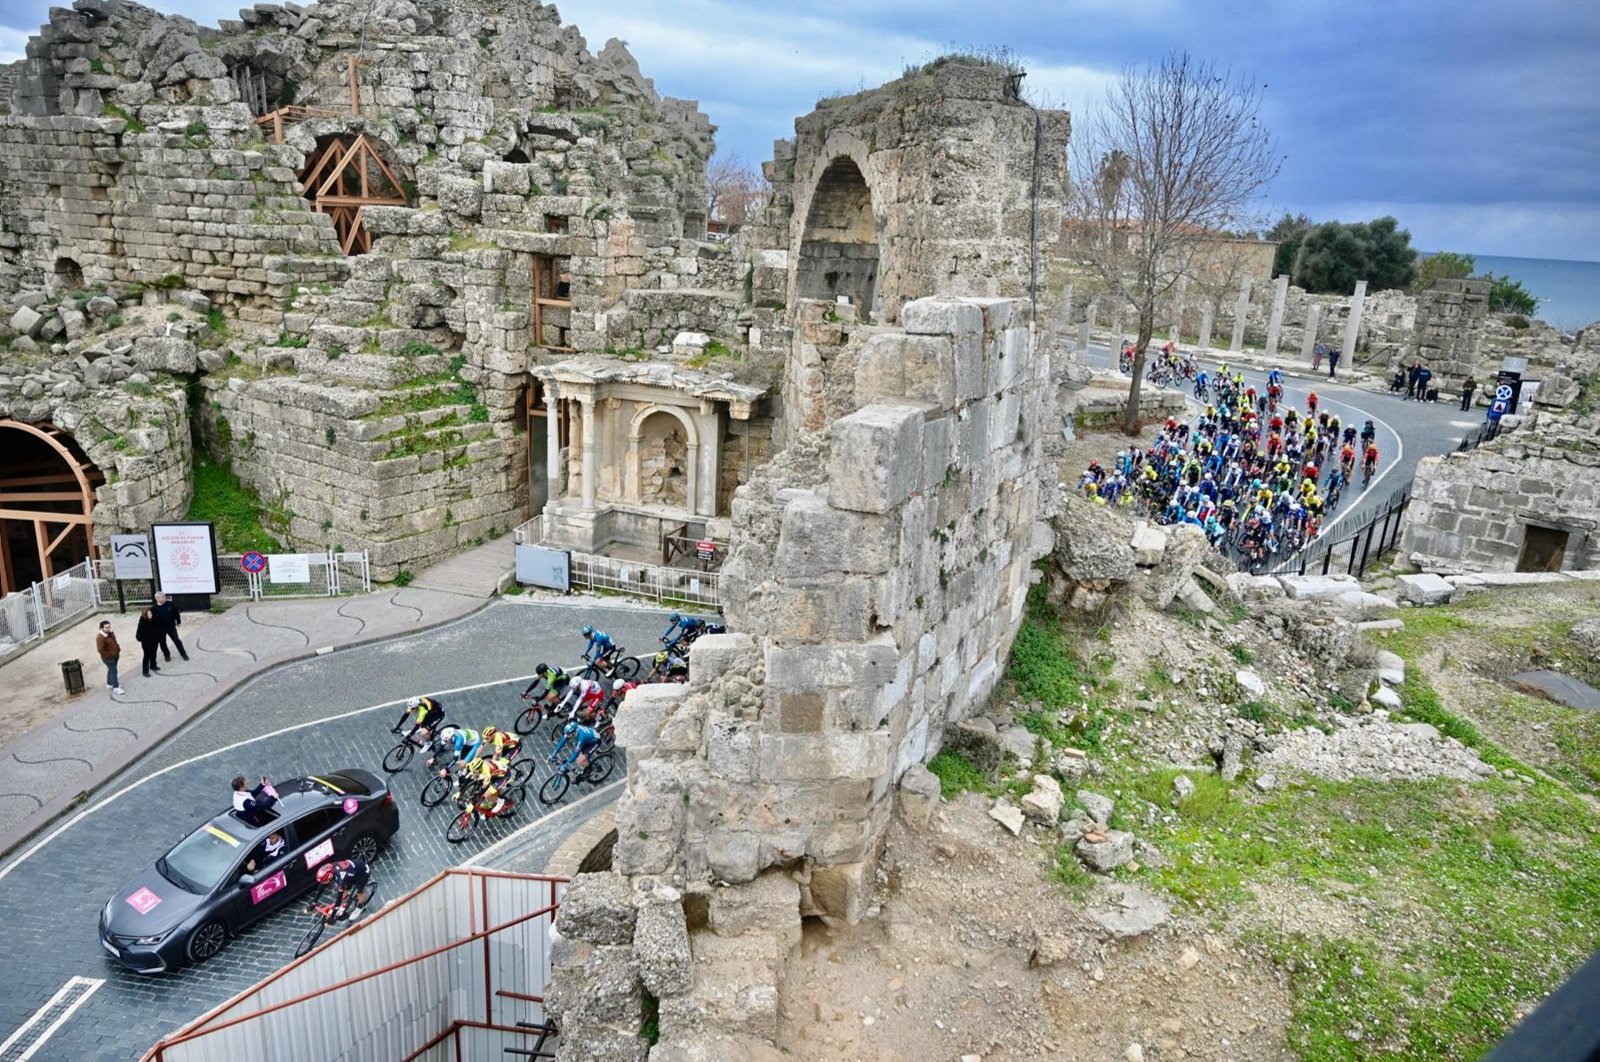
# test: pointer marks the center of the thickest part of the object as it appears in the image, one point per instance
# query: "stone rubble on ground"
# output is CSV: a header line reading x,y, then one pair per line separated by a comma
x,y
1375,748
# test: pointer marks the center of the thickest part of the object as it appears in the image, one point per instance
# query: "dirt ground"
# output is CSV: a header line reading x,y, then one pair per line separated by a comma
x,y
944,972
37,693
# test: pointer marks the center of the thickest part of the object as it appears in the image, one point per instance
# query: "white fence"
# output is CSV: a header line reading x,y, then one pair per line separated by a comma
x,y
444,973
666,586
66,597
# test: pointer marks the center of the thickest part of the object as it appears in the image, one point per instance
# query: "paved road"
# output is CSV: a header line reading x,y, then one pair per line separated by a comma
x,y
1411,430
321,714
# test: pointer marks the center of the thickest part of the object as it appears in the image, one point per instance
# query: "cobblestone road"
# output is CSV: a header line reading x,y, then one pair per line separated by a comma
x,y
338,708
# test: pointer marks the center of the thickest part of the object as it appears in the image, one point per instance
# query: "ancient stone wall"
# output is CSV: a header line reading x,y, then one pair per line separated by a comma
x,y
1449,331
877,577
924,185
1477,510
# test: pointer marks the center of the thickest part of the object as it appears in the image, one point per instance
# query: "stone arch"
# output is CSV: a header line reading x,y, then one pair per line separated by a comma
x,y
48,484
638,488
839,241
517,155
68,274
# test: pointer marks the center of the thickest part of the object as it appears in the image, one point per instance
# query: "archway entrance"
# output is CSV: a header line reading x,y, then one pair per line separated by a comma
x,y
663,462
346,174
839,246
47,488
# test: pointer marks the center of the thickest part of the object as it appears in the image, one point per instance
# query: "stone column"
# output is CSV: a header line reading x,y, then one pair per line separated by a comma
x,y
552,444
1208,313
1353,327
1176,334
1241,310
1313,319
1066,309
1116,325
1088,324
1280,291
590,462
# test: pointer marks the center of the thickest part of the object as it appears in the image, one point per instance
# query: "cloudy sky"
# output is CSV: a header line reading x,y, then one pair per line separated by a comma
x,y
1475,122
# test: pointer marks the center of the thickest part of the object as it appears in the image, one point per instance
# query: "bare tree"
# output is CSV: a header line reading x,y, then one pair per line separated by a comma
x,y
735,190
1174,157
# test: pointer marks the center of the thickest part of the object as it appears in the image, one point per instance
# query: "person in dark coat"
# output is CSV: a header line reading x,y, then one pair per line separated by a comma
x,y
148,635
1424,382
105,643
1466,392
1411,380
168,618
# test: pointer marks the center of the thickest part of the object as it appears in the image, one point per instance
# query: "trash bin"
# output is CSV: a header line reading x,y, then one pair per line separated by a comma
x,y
72,675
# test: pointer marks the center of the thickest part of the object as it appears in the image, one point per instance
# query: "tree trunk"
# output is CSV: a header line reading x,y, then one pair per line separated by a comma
x,y
1130,415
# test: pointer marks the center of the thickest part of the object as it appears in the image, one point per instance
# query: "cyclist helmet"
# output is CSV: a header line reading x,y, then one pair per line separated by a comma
x,y
674,618
569,728
448,733
587,631
325,873
489,732
541,669
414,702
661,657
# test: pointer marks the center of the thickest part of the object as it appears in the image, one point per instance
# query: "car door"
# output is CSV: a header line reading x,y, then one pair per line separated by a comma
x,y
325,834
259,893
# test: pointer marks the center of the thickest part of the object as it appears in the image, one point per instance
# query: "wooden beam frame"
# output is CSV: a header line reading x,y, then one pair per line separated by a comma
x,y
85,475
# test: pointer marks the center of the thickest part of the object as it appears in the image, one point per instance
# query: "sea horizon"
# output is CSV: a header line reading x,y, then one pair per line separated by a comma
x,y
1568,289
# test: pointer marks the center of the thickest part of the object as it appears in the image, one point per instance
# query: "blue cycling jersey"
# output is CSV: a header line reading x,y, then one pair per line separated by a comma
x,y
587,738
599,644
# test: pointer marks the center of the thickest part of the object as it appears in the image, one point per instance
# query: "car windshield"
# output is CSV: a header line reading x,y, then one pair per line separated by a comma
x,y
201,859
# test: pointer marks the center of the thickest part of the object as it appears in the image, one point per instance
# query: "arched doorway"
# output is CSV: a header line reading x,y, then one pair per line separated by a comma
x,y
839,245
663,461
47,487
346,174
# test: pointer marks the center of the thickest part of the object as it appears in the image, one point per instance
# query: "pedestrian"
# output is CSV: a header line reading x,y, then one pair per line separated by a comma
x,y
105,643
1333,361
168,618
148,635
1466,392
1316,356
1424,377
1411,380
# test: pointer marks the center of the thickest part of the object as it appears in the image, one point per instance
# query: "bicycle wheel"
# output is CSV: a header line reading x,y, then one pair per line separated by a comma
x,y
599,769
521,771
399,756
554,788
461,826
589,672
557,725
529,720
627,670
435,791
514,797
311,937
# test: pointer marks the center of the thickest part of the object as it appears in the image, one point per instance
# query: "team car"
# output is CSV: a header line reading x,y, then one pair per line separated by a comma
x,y
236,869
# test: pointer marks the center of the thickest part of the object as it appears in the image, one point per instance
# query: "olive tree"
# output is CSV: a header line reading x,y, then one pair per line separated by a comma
x,y
1175,156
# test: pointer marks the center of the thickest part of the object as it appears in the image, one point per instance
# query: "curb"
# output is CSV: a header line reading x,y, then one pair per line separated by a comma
x,y
45,816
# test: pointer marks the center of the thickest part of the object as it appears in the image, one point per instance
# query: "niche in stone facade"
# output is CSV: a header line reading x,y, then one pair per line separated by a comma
x,y
517,155
839,245
69,275
663,462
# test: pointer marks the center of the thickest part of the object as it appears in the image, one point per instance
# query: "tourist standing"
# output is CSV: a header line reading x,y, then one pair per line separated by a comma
x,y
1466,392
148,635
1333,361
1424,380
1411,380
1316,356
168,618
105,643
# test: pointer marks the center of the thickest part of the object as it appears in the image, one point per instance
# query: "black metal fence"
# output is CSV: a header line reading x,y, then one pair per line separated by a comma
x,y
1474,439
1354,552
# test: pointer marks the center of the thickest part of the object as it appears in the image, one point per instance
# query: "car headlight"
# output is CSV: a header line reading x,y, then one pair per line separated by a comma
x,y
105,915
157,939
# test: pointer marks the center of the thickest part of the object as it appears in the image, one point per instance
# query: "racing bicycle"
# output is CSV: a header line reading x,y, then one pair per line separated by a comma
x,y
472,812
325,917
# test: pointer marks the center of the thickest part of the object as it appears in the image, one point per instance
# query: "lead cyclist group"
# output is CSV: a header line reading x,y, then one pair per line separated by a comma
x,y
484,770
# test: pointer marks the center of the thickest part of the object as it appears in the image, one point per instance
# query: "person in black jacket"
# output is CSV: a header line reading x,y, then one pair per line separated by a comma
x,y
148,635
168,618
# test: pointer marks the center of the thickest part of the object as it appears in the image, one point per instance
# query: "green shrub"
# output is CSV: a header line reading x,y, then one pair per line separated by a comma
x,y
234,508
956,774
403,577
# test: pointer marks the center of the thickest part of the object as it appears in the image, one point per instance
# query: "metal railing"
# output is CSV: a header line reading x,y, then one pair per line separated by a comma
x,y
454,970
28,615
660,583
1362,547
1474,439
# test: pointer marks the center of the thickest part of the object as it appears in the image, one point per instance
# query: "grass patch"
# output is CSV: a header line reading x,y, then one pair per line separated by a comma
x,y
1073,695
235,509
957,775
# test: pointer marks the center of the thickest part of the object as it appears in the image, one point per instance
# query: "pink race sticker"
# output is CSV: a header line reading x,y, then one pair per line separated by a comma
x,y
351,805
144,901
320,854
262,889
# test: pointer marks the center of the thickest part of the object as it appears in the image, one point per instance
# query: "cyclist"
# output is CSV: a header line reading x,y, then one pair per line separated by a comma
x,y
349,878
555,679
428,714
499,744
682,630
586,694
670,667
463,742
1368,433
600,644
1311,402
486,774
1369,461
583,739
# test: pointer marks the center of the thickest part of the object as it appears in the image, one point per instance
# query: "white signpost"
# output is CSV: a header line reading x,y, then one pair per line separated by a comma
x,y
130,556
288,568
186,558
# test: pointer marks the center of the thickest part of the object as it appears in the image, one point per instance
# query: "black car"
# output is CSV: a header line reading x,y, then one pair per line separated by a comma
x,y
222,877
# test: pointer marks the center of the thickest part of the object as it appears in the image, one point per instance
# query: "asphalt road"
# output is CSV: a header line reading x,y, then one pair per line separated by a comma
x,y
315,716
1407,432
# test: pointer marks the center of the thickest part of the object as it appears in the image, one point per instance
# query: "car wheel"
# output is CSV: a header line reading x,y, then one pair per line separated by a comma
x,y
206,941
366,848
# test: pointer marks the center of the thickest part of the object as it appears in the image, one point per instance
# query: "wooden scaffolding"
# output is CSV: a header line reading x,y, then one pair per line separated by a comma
x,y
344,178
45,494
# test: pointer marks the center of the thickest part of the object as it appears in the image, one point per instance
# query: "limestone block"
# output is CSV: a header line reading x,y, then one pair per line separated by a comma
x,y
1108,854
1359,605
804,668
818,538
1384,697
1099,807
1009,816
594,988
597,908
734,856
640,721
661,946
713,655
768,904
165,354
732,749
807,758
876,458
940,316
1424,589
1391,668
1043,803
1250,682
27,321
844,891
460,195
1149,543
919,794
895,367
1318,587
690,344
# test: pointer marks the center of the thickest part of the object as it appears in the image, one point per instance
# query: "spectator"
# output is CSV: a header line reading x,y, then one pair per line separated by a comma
x,y
1316,356
1398,384
1424,377
168,618
251,805
1466,392
148,635
1333,361
1411,380
105,643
